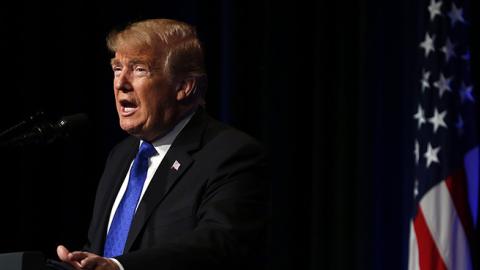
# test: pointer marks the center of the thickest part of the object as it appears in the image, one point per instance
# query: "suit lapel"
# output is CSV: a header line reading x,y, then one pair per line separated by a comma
x,y
175,163
118,170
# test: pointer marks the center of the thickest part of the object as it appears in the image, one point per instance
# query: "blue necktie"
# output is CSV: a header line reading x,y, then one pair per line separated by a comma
x,y
118,233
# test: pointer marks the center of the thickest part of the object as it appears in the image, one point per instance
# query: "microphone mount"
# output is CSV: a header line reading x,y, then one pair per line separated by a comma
x,y
37,129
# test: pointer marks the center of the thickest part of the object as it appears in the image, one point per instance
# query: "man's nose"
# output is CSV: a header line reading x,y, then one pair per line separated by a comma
x,y
122,82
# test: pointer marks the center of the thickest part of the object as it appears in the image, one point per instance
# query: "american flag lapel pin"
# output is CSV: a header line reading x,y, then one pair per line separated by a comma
x,y
176,165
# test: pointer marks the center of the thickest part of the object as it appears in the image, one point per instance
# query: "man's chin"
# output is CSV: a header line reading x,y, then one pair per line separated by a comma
x,y
130,128
140,130
136,131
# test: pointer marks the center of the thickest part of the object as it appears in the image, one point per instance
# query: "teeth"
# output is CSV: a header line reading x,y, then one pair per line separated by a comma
x,y
128,109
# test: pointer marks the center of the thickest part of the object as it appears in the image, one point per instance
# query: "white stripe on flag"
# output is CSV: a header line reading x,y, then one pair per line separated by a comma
x,y
413,262
447,230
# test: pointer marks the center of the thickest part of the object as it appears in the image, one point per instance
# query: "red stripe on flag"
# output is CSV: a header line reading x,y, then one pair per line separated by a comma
x,y
428,255
457,186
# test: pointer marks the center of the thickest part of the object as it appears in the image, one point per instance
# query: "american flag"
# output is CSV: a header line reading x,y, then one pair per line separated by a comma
x,y
446,141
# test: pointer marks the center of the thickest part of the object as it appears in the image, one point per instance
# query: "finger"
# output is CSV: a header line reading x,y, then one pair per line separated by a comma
x,y
78,255
91,262
65,256
98,263
62,253
76,265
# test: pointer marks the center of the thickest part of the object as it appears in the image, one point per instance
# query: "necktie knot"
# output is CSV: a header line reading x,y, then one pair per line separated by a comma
x,y
147,150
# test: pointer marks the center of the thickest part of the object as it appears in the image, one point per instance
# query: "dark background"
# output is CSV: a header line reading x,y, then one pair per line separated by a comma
x,y
327,86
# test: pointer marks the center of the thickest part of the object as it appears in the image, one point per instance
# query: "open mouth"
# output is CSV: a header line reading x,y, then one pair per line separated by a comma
x,y
127,107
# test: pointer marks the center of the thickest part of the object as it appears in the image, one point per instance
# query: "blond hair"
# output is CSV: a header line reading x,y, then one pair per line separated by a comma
x,y
180,52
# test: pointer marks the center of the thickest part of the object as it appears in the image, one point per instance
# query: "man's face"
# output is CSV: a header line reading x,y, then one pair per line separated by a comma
x,y
144,97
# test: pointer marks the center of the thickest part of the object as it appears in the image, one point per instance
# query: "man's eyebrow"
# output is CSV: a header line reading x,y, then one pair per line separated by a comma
x,y
136,61
133,61
114,61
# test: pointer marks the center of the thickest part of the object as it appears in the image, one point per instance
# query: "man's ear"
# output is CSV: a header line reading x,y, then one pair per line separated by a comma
x,y
186,88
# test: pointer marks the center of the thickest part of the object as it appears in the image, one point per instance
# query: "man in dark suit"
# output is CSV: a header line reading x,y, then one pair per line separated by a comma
x,y
184,191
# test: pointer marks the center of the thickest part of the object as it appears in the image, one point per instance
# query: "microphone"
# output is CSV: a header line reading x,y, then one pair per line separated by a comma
x,y
46,132
23,124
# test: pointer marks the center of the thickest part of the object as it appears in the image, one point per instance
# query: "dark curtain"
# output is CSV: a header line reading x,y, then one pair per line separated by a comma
x,y
326,86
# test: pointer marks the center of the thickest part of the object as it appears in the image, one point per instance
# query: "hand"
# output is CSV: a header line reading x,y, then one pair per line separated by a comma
x,y
81,260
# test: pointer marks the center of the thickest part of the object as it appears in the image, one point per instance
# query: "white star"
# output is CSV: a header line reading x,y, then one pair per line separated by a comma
x,y
416,152
431,155
438,120
427,44
434,9
456,15
466,93
424,80
420,116
415,189
443,84
449,50
459,125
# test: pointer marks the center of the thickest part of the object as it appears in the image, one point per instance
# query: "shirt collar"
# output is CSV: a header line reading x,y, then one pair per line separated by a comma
x,y
163,143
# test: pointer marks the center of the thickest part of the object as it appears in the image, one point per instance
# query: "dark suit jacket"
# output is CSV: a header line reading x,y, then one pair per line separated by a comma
x,y
210,213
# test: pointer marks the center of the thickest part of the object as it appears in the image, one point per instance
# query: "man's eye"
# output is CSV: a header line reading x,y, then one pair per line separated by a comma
x,y
141,71
117,70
